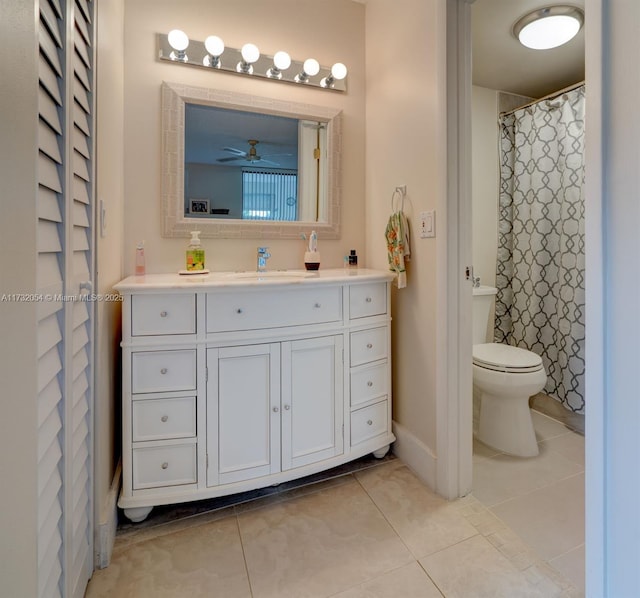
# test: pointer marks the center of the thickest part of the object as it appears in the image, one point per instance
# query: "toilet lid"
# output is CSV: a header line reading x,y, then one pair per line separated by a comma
x,y
505,358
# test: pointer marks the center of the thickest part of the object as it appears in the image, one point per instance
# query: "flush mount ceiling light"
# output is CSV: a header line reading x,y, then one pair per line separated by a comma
x,y
549,27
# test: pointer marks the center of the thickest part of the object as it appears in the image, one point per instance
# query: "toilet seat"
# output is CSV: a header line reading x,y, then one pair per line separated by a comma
x,y
505,358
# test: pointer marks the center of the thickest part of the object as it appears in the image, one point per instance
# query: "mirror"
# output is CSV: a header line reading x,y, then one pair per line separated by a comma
x,y
242,166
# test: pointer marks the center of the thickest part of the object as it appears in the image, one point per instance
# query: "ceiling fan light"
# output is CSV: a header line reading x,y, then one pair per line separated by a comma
x,y
549,27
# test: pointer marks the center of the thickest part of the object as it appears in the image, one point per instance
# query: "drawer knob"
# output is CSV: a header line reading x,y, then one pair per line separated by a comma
x,y
317,306
164,418
163,314
369,422
368,299
164,465
369,384
239,310
369,346
164,370
275,409
287,407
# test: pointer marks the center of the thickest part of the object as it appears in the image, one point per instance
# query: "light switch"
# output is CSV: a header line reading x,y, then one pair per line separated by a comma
x,y
428,224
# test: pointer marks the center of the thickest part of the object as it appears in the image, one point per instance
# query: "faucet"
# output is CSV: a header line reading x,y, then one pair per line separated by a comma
x,y
263,256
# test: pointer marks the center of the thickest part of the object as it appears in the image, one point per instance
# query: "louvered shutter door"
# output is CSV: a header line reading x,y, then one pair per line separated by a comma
x,y
65,328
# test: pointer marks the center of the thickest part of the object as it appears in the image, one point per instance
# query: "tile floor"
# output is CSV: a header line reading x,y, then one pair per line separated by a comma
x,y
377,532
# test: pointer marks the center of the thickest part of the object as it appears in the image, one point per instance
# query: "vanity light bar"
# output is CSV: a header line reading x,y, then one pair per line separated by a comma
x,y
248,61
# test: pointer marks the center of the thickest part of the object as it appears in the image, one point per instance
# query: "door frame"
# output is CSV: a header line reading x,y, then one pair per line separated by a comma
x,y
454,410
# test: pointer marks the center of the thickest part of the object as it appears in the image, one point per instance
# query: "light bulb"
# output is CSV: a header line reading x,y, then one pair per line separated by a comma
x,y
311,67
214,45
338,71
250,53
178,40
282,60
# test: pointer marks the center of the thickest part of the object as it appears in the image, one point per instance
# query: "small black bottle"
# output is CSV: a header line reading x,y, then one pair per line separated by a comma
x,y
353,259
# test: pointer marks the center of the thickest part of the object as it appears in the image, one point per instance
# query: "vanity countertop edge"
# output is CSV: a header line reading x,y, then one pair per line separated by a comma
x,y
215,280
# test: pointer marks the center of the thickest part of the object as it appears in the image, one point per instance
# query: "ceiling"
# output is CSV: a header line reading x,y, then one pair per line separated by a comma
x,y
500,62
213,134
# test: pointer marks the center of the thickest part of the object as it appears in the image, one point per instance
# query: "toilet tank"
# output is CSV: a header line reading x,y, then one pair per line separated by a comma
x,y
483,297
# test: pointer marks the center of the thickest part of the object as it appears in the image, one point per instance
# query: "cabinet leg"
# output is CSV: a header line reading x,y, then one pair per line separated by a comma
x,y
137,514
381,452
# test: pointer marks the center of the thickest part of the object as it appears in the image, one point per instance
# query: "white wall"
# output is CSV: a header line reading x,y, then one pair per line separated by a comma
x,y
485,182
405,116
18,340
330,31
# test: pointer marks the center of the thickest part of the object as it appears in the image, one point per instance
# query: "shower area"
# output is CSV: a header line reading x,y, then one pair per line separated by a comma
x,y
539,271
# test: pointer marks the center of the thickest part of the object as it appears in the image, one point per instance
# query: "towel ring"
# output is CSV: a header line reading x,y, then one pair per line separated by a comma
x,y
401,192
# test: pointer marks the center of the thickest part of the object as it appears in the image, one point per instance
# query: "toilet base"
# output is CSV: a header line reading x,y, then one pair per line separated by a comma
x,y
505,424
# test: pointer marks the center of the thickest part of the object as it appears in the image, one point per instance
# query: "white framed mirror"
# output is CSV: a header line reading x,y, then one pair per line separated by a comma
x,y
226,155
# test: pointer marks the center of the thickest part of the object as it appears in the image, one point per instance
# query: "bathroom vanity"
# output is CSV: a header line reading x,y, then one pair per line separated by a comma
x,y
237,381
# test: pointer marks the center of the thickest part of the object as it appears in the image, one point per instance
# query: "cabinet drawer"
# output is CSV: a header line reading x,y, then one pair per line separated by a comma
x,y
163,371
369,383
164,418
271,308
164,466
367,300
368,422
163,314
368,345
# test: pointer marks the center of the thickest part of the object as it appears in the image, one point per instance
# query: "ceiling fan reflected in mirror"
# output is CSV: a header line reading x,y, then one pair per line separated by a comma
x,y
251,155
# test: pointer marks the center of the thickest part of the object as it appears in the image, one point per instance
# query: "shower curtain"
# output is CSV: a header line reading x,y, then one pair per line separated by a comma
x,y
540,265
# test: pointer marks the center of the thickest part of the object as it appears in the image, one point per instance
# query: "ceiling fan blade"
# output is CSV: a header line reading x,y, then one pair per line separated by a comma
x,y
233,150
278,155
231,159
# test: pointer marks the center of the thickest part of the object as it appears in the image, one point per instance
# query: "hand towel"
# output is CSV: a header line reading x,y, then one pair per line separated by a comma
x,y
398,249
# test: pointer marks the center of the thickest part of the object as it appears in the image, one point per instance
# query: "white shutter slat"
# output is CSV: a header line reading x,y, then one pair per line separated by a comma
x,y
49,142
81,143
80,191
48,173
48,237
48,111
80,167
81,121
48,205
49,50
80,214
48,368
81,96
50,19
82,53
48,400
49,80
49,335
48,272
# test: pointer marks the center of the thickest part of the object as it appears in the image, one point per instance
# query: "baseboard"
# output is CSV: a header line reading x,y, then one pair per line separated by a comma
x,y
106,527
415,454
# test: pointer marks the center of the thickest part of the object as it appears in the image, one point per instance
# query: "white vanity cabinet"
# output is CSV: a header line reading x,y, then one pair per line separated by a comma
x,y
234,383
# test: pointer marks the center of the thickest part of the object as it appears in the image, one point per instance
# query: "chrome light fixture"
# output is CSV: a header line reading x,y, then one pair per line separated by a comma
x,y
250,54
310,68
281,62
179,41
215,48
338,73
213,55
549,27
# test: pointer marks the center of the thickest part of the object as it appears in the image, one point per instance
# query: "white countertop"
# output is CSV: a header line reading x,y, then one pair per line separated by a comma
x,y
213,280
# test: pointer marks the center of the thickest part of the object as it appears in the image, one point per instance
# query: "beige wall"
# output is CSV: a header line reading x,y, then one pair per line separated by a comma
x,y
404,132
485,183
109,248
330,31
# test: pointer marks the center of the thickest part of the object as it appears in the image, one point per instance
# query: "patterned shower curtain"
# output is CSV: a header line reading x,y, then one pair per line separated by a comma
x,y
540,266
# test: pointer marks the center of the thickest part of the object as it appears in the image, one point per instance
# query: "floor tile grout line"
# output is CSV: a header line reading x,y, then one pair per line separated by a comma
x,y
244,556
433,581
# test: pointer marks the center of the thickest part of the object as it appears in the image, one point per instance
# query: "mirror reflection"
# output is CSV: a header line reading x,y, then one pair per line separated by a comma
x,y
252,166
249,167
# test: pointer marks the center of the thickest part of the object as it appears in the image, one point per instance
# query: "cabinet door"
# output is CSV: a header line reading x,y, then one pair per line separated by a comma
x,y
312,399
243,412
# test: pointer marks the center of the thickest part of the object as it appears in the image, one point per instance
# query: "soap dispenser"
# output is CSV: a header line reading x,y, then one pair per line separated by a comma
x,y
195,253
312,256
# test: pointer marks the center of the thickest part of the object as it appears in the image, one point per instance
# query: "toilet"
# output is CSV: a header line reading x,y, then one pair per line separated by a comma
x,y
504,377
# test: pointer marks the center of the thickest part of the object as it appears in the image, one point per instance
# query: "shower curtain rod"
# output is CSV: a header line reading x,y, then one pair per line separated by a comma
x,y
551,96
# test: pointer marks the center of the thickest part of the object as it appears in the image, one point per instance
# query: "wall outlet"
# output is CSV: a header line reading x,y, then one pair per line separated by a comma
x,y
427,224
